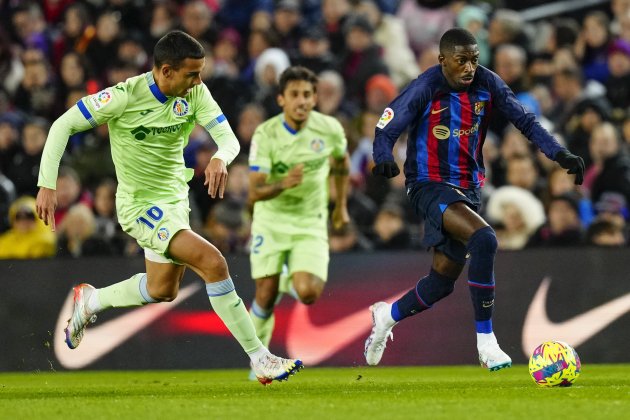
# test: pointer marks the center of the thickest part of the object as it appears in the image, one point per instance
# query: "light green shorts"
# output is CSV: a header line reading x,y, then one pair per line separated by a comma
x,y
270,249
153,226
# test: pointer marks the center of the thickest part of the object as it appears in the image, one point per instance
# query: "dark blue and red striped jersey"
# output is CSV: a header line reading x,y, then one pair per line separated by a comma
x,y
447,128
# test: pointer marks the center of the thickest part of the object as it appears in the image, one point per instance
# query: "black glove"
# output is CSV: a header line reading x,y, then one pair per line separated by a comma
x,y
573,163
388,169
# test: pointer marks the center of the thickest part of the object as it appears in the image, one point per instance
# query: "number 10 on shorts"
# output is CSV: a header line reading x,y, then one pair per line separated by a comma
x,y
154,213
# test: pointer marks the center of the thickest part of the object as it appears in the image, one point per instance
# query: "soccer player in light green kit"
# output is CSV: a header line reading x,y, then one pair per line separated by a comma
x,y
150,117
290,162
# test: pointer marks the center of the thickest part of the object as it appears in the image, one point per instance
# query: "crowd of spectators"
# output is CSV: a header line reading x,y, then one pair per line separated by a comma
x,y
572,72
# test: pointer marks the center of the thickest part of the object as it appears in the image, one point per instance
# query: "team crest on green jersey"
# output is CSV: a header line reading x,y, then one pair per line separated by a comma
x,y
317,145
180,107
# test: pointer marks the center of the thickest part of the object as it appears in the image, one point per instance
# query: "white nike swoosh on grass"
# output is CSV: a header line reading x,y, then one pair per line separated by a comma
x,y
538,328
315,343
102,339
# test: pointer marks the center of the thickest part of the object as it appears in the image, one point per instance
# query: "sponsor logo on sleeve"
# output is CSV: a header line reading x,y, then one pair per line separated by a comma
x,y
387,116
101,99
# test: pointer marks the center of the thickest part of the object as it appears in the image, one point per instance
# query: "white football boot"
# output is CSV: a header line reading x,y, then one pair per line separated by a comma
x,y
271,368
492,357
381,331
81,315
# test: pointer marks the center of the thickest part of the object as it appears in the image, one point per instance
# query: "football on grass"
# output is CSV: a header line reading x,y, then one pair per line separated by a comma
x,y
554,363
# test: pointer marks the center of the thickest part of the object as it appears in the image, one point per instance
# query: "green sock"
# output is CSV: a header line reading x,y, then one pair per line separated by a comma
x,y
130,292
264,324
232,312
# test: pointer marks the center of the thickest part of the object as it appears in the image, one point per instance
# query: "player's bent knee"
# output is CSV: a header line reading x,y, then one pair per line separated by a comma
x,y
165,294
308,295
483,240
266,298
214,267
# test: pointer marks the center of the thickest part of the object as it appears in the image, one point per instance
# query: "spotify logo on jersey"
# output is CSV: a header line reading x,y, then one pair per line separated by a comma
x,y
441,132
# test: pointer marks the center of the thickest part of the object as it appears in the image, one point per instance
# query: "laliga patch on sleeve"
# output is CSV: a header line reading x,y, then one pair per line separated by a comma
x,y
387,116
101,99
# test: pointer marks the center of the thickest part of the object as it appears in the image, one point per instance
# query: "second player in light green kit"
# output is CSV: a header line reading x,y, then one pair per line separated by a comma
x,y
291,158
150,117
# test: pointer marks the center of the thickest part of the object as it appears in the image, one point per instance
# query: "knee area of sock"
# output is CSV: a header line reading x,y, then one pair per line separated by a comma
x,y
448,287
444,287
483,240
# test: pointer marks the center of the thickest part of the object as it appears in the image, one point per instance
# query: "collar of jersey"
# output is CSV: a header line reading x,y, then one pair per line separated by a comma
x,y
155,90
288,128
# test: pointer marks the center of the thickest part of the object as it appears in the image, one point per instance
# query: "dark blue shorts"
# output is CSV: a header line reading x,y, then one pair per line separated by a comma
x,y
430,200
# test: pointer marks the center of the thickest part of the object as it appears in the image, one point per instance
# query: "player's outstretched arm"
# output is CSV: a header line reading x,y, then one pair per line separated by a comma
x,y
71,122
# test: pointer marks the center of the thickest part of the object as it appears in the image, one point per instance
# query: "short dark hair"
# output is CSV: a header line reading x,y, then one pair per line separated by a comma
x,y
175,47
456,37
296,73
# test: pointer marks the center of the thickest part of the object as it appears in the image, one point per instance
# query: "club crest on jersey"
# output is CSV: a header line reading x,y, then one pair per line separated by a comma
x,y
441,132
163,234
100,99
387,116
317,145
479,107
180,107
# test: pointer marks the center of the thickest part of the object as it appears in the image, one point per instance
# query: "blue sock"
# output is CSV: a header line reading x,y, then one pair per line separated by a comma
x,y
482,247
484,327
428,290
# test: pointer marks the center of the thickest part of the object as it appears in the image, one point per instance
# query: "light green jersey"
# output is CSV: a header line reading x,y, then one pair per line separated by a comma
x,y
148,132
276,148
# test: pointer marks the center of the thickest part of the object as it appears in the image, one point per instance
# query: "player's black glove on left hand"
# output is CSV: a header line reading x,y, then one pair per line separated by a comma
x,y
388,169
573,163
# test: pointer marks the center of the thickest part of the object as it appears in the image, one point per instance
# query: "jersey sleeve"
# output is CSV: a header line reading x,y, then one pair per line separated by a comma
x,y
525,121
209,115
259,152
71,122
397,117
102,106
340,145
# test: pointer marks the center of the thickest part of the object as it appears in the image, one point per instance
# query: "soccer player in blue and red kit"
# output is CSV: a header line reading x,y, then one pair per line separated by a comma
x,y
447,110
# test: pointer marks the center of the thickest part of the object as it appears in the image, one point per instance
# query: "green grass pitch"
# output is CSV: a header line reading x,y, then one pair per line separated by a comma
x,y
453,392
